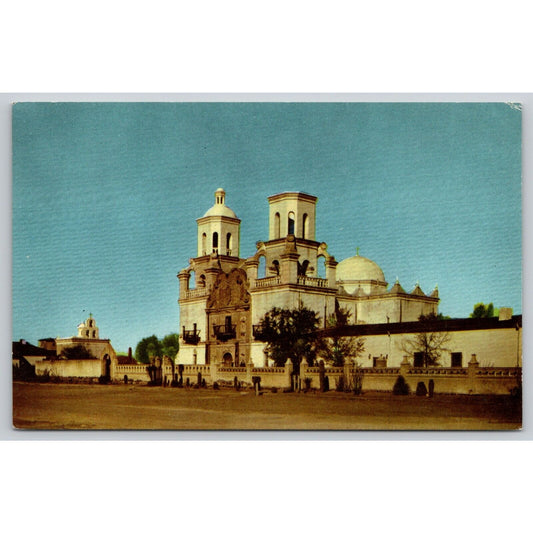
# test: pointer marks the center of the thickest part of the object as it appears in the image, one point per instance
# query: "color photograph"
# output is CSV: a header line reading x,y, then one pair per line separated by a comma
x,y
267,266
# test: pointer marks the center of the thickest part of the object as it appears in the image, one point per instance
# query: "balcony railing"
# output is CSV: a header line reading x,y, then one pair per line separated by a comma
x,y
313,282
191,336
271,281
196,293
225,332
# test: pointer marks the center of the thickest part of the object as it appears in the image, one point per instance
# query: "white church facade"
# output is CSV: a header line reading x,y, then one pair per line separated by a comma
x,y
221,309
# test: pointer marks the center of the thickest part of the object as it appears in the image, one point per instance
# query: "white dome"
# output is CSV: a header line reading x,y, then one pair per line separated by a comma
x,y
221,210
359,268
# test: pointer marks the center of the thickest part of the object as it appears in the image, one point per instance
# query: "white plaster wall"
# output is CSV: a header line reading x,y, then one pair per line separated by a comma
x,y
192,312
493,347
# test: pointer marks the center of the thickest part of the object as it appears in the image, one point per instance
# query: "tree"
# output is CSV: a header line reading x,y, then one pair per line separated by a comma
x,y
482,311
170,345
431,344
336,349
290,333
76,352
433,316
147,348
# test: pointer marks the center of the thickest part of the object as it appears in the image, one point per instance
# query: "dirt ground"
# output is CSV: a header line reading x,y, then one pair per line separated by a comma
x,y
80,406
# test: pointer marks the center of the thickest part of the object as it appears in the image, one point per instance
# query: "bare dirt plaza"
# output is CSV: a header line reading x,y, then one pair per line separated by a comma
x,y
80,406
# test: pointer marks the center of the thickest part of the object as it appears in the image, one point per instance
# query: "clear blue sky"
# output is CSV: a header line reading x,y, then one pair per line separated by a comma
x,y
106,197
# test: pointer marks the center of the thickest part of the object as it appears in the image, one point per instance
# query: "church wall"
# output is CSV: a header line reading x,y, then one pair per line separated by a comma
x,y
376,311
493,347
193,312
190,354
412,309
262,302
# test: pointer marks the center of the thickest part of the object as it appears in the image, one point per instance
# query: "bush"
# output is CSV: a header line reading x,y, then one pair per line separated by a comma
x,y
358,382
274,389
401,387
421,389
215,386
340,384
307,384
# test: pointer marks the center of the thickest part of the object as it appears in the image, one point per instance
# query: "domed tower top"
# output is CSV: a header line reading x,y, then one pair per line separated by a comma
x,y
220,208
218,229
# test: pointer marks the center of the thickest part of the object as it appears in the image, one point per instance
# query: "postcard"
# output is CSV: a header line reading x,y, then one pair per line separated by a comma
x,y
267,266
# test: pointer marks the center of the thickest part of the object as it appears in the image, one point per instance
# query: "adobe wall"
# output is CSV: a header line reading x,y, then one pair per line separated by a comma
x,y
79,368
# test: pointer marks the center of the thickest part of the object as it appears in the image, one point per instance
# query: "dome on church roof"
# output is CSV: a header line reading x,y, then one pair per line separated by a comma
x,y
220,209
359,268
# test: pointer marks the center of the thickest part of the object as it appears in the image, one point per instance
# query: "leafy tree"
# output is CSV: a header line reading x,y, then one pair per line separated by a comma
x,y
482,311
170,345
77,352
432,344
147,348
290,333
336,349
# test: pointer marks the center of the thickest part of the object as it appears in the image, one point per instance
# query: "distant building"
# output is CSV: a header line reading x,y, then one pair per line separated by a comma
x,y
89,338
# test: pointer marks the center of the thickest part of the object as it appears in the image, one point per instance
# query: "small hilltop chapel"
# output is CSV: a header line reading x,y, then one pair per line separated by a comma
x,y
222,297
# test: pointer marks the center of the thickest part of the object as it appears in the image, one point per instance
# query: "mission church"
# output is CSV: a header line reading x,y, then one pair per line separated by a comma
x,y
223,297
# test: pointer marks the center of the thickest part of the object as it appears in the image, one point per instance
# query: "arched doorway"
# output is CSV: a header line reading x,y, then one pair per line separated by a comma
x,y
227,359
106,367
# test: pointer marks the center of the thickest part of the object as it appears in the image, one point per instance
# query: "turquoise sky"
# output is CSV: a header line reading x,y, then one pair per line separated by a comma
x,y
106,197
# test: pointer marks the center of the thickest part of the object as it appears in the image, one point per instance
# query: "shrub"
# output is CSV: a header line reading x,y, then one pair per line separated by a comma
x,y
358,382
421,389
401,387
307,383
215,386
274,389
340,384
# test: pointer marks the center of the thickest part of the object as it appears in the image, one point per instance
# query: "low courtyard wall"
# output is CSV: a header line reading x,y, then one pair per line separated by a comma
x,y
465,380
79,368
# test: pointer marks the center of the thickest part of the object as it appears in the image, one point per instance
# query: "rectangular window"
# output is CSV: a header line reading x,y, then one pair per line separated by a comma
x,y
457,359
418,359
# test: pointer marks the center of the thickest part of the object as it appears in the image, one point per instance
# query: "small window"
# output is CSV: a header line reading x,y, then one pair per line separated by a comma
x,y
228,244
305,227
418,359
457,359
215,242
291,224
277,226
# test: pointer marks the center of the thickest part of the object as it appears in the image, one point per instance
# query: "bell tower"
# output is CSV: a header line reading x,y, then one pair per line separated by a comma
x,y
219,229
292,213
